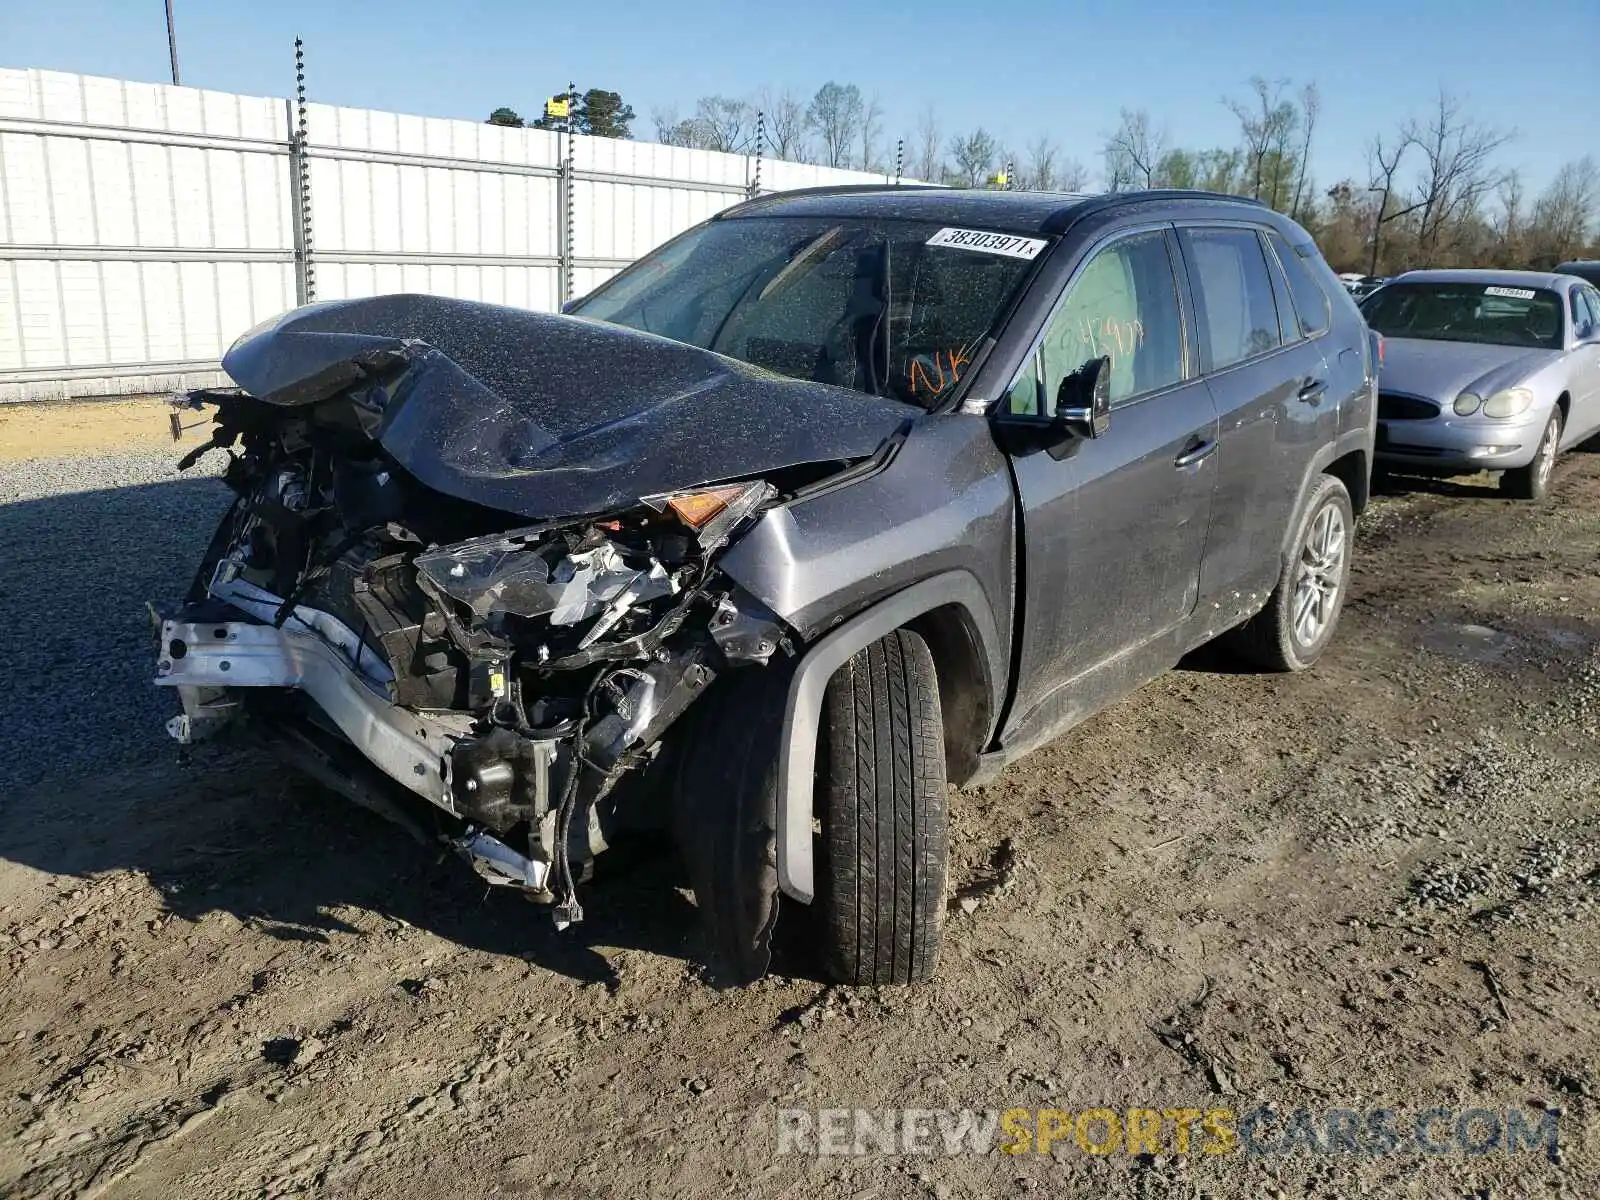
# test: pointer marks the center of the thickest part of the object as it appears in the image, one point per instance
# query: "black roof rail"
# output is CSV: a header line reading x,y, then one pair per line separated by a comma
x,y
1071,214
836,189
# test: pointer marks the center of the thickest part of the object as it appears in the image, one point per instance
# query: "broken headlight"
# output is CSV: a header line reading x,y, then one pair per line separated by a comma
x,y
713,512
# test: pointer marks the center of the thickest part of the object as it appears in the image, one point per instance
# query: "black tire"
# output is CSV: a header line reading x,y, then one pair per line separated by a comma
x,y
882,799
1272,639
726,815
1532,482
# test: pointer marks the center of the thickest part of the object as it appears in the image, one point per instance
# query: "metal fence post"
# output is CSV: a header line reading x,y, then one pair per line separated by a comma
x,y
761,146
305,270
565,178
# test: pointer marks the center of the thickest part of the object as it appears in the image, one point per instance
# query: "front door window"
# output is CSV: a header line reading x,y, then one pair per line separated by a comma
x,y
1123,305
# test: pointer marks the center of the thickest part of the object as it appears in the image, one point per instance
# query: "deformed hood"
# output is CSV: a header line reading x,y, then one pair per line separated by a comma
x,y
546,415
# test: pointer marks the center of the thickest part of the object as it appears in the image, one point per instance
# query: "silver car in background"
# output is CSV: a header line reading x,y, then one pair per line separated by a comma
x,y
1486,370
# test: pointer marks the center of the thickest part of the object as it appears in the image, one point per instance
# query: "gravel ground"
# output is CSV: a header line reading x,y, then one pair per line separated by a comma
x,y
88,540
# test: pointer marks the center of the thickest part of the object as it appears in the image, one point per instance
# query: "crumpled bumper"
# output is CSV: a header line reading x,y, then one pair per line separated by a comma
x,y
202,657
207,660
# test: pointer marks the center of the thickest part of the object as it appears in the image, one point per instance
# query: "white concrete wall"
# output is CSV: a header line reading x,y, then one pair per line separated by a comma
x,y
143,227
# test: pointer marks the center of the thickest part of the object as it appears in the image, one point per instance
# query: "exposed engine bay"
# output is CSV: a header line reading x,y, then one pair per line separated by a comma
x,y
519,677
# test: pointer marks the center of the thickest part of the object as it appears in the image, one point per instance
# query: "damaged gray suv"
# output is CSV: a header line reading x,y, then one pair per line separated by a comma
x,y
836,499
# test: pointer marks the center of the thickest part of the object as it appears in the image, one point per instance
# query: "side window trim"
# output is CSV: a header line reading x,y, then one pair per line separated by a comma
x,y
1291,331
1302,254
1186,327
1188,323
1184,227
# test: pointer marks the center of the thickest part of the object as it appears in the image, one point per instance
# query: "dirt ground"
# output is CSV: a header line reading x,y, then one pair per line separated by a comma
x,y
1374,885
50,430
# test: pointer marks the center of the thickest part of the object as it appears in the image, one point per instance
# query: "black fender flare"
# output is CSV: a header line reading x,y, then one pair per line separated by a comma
x,y
1345,443
803,712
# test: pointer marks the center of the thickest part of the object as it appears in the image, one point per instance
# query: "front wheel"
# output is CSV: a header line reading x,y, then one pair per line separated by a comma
x,y
1297,624
1532,482
882,799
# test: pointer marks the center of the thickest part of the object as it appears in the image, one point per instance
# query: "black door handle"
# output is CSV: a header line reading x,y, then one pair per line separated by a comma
x,y
1195,453
1312,390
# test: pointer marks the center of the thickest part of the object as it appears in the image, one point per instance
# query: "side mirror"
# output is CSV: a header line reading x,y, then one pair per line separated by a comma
x,y
1083,404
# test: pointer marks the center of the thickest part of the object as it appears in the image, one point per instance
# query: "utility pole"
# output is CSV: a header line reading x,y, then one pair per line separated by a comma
x,y
172,43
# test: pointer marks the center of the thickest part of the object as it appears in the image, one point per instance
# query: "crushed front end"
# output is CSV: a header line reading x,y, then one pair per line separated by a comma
x,y
519,677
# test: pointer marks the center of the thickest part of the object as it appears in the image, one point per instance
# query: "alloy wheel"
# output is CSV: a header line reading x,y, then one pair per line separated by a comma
x,y
1547,452
1320,575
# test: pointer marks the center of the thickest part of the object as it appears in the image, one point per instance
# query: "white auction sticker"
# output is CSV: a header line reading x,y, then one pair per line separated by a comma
x,y
989,243
1510,293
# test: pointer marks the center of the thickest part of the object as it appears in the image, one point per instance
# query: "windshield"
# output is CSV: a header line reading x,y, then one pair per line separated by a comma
x,y
1467,312
894,308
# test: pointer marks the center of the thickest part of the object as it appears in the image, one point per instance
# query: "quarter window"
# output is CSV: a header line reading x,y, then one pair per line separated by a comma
x,y
1123,305
1237,316
1310,301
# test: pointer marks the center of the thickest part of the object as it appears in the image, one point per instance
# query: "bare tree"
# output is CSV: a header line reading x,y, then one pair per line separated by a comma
x,y
725,123
1510,227
1042,164
835,113
974,156
1072,176
1265,125
927,148
1310,108
787,134
1565,210
1383,164
1458,170
871,130
670,131
1133,150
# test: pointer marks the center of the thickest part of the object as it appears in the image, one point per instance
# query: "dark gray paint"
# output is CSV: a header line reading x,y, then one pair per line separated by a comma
x,y
1127,559
944,502
551,416
1114,538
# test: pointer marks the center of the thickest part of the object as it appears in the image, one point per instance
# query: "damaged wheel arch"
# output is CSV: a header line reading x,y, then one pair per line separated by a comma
x,y
939,606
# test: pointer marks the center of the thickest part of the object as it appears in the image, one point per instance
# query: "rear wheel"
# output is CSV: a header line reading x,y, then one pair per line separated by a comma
x,y
1532,482
882,799
1297,624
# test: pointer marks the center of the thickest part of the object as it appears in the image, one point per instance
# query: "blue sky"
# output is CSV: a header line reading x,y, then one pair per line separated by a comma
x,y
1019,67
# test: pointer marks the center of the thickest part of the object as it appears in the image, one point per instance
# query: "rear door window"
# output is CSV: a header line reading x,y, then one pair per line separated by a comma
x,y
1310,301
1237,315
